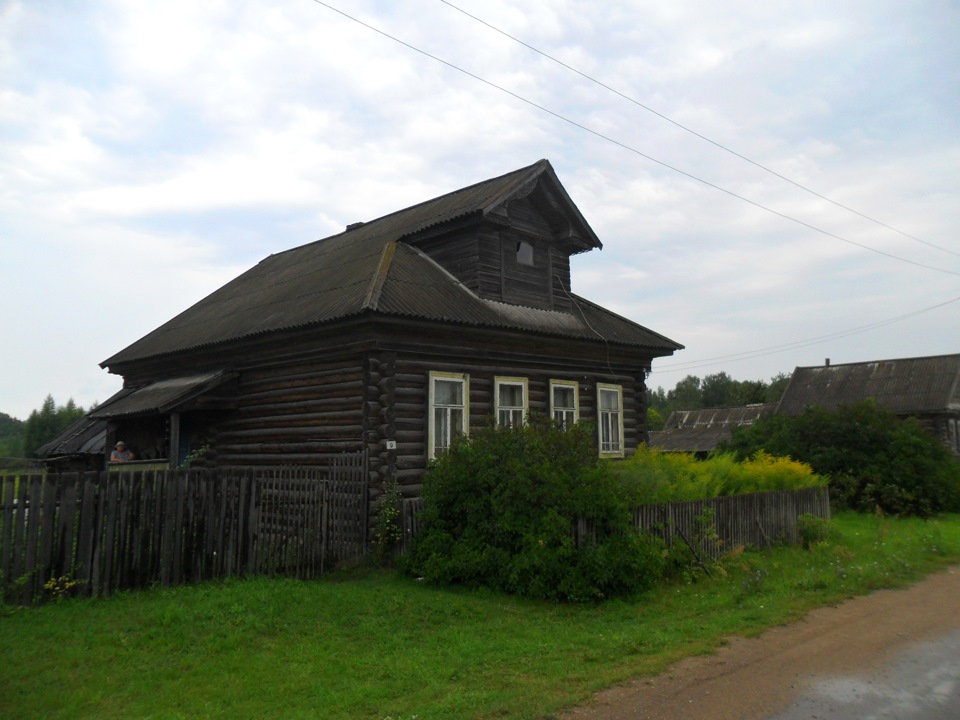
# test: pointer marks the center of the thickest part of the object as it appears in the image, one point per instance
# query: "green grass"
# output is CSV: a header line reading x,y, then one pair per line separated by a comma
x,y
375,645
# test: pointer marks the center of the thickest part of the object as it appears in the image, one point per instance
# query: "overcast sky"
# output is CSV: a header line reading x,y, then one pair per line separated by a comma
x,y
150,152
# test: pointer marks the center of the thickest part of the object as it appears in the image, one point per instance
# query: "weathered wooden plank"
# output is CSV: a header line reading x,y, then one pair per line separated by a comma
x,y
84,563
7,486
98,505
111,522
33,524
48,531
18,560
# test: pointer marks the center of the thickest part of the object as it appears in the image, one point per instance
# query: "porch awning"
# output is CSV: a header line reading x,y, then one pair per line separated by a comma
x,y
162,396
84,437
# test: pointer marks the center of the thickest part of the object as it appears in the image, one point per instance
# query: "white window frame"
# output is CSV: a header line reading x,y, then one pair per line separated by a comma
x,y
464,380
515,381
604,418
575,386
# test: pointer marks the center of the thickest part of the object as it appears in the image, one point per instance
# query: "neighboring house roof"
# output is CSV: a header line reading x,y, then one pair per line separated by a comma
x,y
702,430
370,268
905,386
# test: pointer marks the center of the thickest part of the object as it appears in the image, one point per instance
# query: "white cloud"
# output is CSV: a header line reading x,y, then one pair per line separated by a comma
x,y
148,153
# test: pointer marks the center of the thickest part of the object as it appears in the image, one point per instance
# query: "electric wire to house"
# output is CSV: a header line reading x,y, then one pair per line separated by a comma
x,y
683,127
631,149
774,349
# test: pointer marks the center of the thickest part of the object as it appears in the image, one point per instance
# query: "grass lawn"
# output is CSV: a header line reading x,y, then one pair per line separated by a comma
x,y
371,644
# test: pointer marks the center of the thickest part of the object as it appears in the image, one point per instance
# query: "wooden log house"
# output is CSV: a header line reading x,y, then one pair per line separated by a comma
x,y
393,337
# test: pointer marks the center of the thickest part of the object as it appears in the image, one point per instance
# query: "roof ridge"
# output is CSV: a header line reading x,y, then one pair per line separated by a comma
x,y
539,165
880,360
372,298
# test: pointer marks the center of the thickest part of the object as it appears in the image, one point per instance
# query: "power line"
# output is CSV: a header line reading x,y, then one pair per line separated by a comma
x,y
774,349
694,132
630,148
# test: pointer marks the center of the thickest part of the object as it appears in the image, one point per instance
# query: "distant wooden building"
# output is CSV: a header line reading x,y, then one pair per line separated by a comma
x,y
700,431
926,388
393,337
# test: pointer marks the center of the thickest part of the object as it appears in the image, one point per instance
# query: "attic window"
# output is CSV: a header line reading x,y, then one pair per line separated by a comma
x,y
524,253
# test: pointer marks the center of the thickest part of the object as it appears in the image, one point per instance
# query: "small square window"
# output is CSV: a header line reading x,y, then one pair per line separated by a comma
x,y
524,253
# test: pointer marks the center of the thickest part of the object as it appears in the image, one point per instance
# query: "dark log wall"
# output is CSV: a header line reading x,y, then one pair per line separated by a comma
x,y
459,254
409,426
944,428
484,258
297,414
545,283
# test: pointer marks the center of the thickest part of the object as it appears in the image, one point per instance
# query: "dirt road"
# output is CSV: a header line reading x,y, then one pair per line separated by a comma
x,y
893,654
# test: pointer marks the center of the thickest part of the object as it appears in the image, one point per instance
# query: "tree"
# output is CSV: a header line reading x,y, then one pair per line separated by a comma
x,y
655,421
687,394
873,459
774,389
717,390
45,424
11,439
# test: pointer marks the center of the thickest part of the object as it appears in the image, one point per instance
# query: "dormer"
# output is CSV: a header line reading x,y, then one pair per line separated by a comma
x,y
516,249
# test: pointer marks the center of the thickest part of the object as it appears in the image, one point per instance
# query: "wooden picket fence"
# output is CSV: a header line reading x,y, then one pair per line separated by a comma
x,y
125,530
718,525
710,527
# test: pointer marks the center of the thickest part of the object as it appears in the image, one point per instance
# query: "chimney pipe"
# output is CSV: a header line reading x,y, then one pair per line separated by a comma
x,y
826,362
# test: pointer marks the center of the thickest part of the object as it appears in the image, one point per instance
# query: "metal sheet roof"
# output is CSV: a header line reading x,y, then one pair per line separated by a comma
x,y
350,273
84,437
701,430
903,386
161,396
417,286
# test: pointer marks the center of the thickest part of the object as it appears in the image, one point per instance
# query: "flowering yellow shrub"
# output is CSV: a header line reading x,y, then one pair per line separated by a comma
x,y
655,476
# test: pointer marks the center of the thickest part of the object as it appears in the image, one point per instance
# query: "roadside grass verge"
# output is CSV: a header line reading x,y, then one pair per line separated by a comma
x,y
372,644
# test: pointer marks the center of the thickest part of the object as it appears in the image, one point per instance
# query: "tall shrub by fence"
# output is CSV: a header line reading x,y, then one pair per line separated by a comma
x,y
712,526
124,530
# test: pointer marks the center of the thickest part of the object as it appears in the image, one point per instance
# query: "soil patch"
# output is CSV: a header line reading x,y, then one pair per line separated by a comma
x,y
755,678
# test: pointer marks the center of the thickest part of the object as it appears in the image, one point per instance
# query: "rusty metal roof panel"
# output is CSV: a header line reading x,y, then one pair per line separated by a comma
x,y
904,386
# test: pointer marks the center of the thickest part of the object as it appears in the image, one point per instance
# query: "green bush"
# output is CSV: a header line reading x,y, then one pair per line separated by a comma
x,y
813,529
873,459
501,510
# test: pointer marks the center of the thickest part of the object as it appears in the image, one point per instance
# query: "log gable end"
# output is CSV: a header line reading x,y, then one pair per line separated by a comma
x,y
516,256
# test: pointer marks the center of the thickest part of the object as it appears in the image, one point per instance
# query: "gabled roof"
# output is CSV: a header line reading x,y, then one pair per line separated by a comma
x,y
703,429
905,386
371,268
